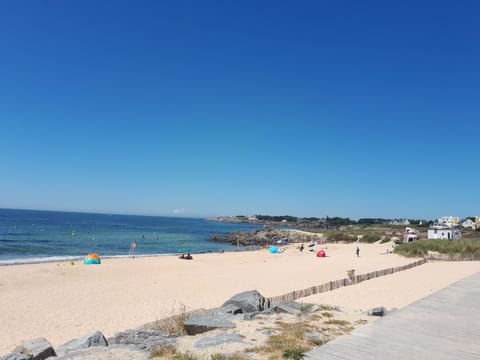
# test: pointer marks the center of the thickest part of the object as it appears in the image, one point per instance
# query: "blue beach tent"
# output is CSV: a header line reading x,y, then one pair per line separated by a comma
x,y
92,259
273,249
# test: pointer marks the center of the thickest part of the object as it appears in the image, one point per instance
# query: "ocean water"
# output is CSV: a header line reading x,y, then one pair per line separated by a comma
x,y
28,236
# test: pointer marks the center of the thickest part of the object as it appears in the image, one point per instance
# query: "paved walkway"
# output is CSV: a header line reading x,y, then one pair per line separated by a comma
x,y
444,325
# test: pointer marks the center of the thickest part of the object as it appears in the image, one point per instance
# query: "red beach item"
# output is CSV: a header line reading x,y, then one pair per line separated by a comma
x,y
321,253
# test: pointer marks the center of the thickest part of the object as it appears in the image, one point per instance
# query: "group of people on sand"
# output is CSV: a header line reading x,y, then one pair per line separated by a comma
x,y
133,247
357,249
186,257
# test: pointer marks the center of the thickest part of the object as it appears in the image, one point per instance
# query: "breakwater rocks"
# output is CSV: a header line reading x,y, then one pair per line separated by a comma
x,y
92,346
138,344
265,237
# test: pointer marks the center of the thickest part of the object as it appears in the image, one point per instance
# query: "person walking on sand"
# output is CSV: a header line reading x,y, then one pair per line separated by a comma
x,y
357,251
133,246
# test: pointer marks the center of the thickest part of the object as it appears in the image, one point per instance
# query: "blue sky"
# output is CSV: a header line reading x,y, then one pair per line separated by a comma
x,y
199,108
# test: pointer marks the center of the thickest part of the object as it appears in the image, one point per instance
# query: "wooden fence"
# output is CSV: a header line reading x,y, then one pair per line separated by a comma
x,y
351,280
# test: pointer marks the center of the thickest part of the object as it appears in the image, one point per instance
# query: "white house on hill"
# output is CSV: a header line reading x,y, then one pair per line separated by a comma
x,y
447,221
447,233
467,223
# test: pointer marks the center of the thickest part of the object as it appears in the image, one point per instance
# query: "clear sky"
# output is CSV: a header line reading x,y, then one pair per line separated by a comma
x,y
199,108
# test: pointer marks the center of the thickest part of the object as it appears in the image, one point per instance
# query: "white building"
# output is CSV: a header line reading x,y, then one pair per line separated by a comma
x,y
447,221
467,223
410,235
447,233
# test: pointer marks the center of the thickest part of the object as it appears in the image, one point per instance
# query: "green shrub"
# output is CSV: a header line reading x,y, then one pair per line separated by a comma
x,y
295,354
370,238
341,236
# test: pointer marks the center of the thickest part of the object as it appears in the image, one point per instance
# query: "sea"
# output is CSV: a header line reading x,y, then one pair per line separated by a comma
x,y
33,236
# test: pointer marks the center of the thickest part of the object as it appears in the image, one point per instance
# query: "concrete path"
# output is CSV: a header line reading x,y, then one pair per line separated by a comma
x,y
444,325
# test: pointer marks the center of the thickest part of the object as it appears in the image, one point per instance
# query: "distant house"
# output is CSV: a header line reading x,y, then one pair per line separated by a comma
x,y
447,221
467,223
410,235
400,222
448,233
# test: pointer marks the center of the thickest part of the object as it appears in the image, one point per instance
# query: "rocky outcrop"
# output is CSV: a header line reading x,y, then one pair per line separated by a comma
x,y
264,237
38,348
245,306
136,344
90,340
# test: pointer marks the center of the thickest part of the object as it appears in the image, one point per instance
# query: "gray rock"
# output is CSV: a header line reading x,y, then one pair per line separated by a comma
x,y
93,339
219,339
209,320
250,316
312,336
269,332
248,301
16,356
286,309
378,311
230,309
145,339
115,351
39,348
290,303
292,307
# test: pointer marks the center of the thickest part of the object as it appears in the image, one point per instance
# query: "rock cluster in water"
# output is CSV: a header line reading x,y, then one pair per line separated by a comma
x,y
265,237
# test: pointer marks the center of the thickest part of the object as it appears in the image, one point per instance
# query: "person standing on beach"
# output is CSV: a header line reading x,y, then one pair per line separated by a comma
x,y
357,251
133,246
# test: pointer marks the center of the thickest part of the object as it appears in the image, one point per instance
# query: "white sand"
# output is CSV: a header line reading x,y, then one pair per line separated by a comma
x,y
61,301
399,289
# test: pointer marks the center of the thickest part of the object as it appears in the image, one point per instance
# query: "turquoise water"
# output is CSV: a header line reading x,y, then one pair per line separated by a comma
x,y
37,236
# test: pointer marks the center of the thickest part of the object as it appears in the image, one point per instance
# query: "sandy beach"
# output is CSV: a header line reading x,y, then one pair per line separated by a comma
x,y
60,301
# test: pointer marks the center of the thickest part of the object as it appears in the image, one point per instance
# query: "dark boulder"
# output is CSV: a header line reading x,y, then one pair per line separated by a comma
x,y
39,348
248,301
378,311
206,321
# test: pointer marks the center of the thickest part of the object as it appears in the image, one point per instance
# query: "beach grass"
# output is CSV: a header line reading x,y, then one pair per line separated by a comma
x,y
291,341
464,249
174,323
